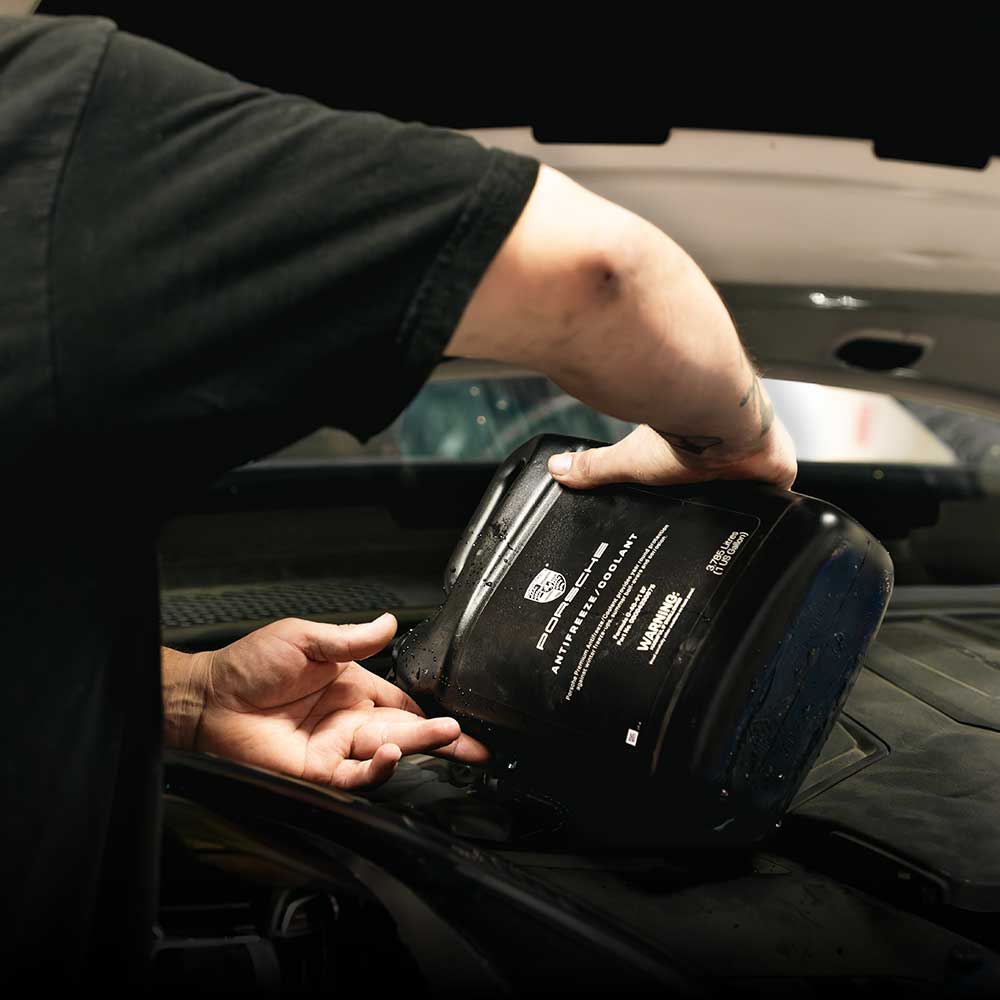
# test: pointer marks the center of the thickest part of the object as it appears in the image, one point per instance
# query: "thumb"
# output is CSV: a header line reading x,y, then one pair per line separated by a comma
x,y
327,643
641,457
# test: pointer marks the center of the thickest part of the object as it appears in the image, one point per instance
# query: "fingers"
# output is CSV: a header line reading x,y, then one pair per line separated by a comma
x,y
354,774
410,734
442,737
465,749
379,690
641,457
386,695
385,735
326,643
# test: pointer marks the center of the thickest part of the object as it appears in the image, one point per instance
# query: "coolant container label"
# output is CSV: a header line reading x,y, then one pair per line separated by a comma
x,y
584,626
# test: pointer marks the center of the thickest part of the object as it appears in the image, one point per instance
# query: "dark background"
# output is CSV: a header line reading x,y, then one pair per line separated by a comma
x,y
601,74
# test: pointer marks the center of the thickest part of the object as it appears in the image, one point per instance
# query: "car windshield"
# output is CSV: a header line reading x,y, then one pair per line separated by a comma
x,y
478,412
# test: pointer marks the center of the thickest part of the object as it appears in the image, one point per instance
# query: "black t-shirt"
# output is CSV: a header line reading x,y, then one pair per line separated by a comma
x,y
193,272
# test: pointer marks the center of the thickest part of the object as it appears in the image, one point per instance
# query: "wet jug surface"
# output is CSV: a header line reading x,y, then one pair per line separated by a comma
x,y
664,663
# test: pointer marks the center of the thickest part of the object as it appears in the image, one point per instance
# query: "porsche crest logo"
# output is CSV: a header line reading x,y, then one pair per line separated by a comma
x,y
547,586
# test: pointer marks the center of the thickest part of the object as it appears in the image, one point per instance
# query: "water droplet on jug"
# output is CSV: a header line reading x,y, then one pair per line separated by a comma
x,y
724,793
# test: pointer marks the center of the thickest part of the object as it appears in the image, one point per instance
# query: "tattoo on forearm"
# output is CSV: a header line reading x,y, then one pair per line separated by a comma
x,y
692,443
754,397
759,404
767,417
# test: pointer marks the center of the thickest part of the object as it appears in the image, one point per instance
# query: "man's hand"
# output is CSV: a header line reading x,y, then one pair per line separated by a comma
x,y
290,697
647,457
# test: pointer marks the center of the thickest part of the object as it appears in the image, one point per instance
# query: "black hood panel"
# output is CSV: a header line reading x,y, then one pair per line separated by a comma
x,y
917,800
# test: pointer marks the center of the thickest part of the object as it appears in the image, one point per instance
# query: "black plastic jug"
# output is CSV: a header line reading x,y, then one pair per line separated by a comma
x,y
663,663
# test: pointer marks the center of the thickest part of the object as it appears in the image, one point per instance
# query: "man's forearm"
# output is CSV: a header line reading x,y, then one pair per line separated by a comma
x,y
616,313
664,352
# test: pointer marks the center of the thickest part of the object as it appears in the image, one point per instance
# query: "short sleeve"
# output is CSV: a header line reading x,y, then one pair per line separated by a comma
x,y
231,267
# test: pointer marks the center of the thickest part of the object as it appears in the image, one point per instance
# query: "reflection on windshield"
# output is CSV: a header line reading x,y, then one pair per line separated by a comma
x,y
832,424
483,417
489,418
975,439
